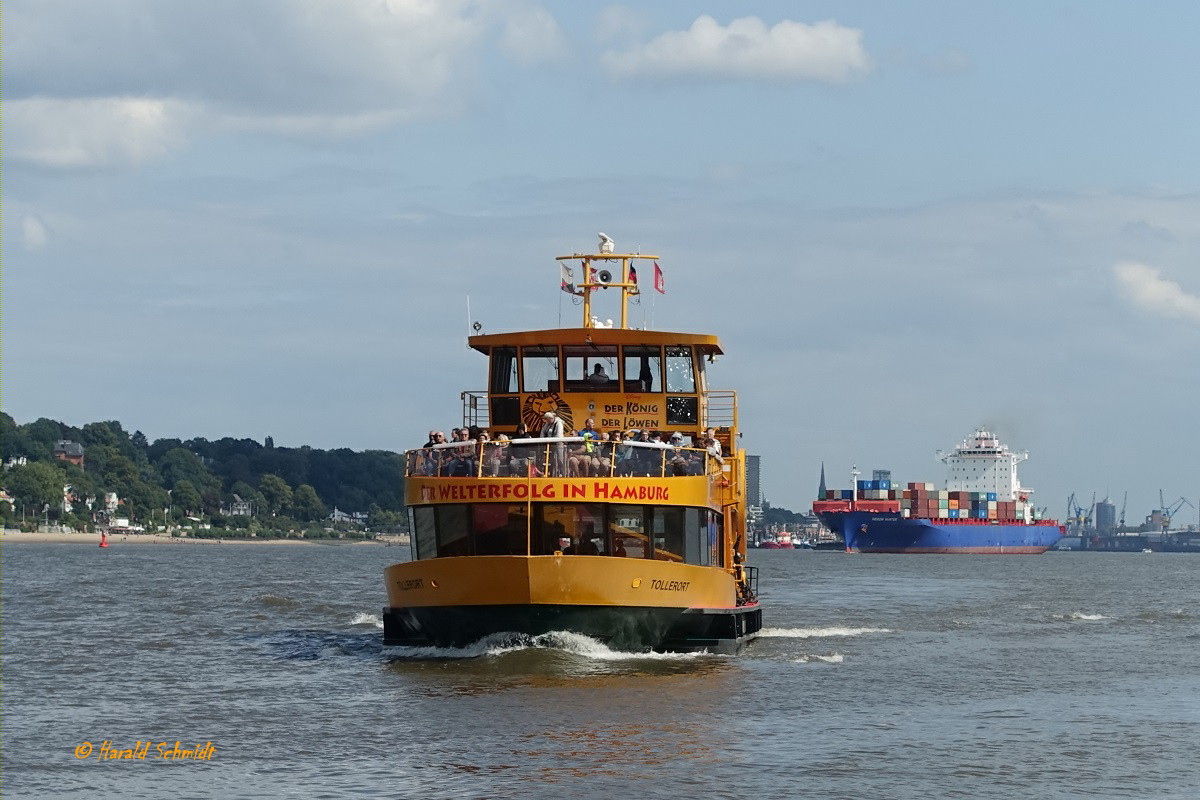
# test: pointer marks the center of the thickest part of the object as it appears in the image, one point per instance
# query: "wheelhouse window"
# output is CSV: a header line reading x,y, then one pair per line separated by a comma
x,y
539,368
590,369
642,368
504,370
680,378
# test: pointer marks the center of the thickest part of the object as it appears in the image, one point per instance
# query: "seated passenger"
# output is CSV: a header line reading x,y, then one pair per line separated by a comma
x,y
598,376
602,458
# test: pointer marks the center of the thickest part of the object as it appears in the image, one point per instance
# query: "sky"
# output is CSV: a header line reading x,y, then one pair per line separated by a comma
x,y
903,220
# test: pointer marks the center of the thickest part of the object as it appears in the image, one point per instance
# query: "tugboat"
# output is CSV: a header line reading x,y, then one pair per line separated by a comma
x,y
625,521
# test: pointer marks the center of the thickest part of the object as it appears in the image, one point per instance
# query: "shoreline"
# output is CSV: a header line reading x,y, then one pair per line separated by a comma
x,y
9,536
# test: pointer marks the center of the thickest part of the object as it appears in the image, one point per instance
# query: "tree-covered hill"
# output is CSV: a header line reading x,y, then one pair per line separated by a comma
x,y
170,480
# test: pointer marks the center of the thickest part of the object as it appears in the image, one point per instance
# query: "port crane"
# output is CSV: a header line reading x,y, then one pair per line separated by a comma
x,y
1121,524
1168,512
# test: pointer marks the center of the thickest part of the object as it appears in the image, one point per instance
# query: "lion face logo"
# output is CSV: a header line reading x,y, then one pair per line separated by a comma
x,y
538,404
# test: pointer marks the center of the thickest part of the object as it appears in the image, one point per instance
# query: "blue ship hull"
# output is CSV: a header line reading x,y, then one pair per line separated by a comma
x,y
884,532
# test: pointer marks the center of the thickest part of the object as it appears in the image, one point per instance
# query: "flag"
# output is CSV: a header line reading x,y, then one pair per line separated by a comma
x,y
659,284
568,280
633,274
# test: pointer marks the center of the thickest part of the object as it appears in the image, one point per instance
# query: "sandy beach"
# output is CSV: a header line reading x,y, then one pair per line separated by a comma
x,y
10,536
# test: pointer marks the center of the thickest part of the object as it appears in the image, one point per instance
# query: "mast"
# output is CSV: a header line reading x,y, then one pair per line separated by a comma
x,y
602,278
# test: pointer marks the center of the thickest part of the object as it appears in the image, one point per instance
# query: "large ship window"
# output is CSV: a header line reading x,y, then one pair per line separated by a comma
x,y
453,535
500,529
504,370
668,534
424,540
539,368
642,369
680,378
716,538
572,528
695,530
627,530
590,368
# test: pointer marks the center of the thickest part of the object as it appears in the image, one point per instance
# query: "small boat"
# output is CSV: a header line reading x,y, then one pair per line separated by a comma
x,y
1147,550
636,543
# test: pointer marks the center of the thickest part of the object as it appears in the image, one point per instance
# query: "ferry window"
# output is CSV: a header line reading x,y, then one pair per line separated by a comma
x,y
424,540
716,542
642,369
539,369
668,534
500,529
573,528
452,531
590,368
680,378
683,410
627,530
504,370
695,544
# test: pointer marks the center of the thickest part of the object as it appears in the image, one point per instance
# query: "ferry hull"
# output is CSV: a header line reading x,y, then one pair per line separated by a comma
x,y
630,629
629,604
874,532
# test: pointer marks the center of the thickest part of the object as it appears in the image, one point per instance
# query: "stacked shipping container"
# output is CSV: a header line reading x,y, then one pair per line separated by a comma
x,y
923,501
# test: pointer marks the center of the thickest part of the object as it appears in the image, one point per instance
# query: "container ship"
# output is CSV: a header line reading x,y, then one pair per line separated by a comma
x,y
983,509
594,527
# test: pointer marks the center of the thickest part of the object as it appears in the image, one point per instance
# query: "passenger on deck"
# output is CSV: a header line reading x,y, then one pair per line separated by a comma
x,y
494,454
553,428
602,459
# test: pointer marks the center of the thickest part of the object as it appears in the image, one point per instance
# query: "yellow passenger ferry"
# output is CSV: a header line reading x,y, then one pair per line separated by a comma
x,y
592,527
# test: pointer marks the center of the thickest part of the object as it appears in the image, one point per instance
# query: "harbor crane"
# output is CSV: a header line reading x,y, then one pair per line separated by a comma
x,y
1167,513
1121,524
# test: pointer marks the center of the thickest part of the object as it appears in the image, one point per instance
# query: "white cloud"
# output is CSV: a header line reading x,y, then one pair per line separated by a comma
x,y
92,132
747,49
299,67
1146,287
33,232
531,36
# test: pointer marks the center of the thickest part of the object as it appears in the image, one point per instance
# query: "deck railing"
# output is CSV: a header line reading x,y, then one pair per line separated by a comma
x,y
565,457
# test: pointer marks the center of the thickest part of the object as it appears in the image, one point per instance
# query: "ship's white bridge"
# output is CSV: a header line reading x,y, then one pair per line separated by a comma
x,y
981,463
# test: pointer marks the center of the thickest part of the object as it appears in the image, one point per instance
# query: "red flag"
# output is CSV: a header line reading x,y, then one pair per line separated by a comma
x,y
633,274
659,284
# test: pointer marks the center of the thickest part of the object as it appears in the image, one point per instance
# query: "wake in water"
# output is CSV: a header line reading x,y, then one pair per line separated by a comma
x,y
832,658
817,633
366,619
499,644
1077,616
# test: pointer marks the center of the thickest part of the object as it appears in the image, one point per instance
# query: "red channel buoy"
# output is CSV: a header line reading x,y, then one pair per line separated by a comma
x,y
104,538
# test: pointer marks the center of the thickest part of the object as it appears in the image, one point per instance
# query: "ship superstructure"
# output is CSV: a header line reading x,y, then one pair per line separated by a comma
x,y
982,464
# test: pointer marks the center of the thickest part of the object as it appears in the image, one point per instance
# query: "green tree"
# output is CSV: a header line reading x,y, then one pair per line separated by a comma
x,y
185,496
37,485
181,464
276,493
307,505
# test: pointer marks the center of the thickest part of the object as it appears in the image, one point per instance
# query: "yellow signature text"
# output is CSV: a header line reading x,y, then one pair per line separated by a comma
x,y
141,751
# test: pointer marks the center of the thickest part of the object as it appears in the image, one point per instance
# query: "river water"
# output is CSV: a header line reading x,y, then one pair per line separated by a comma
x,y
1061,675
